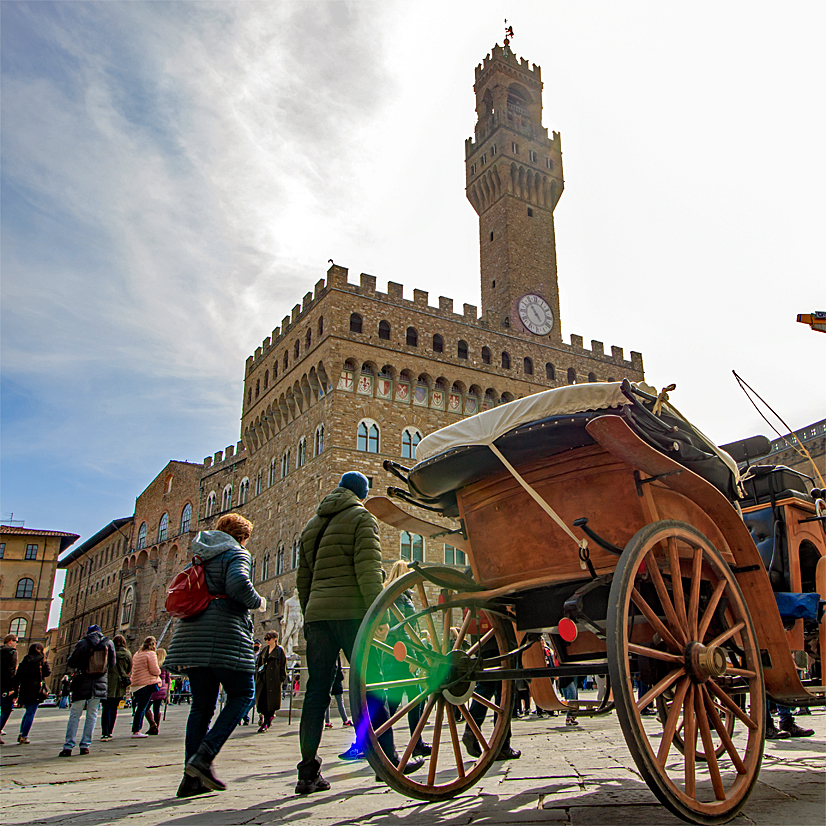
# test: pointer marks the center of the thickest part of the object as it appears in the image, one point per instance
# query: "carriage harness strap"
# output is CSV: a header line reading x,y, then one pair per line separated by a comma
x,y
582,544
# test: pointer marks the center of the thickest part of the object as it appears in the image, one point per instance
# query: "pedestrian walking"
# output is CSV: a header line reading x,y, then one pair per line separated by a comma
x,y
158,697
215,650
91,659
8,670
270,674
245,720
65,692
117,681
339,576
30,688
145,679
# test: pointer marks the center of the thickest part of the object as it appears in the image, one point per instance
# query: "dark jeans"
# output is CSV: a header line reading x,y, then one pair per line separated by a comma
x,y
325,639
28,719
478,711
395,670
109,707
140,702
6,708
206,683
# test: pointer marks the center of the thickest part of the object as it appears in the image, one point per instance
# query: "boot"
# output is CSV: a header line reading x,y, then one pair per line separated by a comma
x,y
200,766
309,777
190,786
787,724
772,733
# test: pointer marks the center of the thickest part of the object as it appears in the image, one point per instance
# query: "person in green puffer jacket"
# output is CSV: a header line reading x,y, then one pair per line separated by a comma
x,y
339,577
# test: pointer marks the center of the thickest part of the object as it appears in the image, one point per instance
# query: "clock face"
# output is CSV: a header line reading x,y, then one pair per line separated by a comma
x,y
535,313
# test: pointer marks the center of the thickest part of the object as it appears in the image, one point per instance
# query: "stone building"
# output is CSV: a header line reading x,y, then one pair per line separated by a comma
x,y
355,375
29,560
785,450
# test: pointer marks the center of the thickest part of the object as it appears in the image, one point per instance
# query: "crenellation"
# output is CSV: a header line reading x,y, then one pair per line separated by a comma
x,y
218,457
276,334
337,276
306,302
576,341
446,305
285,324
395,291
368,283
229,451
319,288
208,462
257,354
265,345
636,360
420,297
617,354
597,348
470,312
296,313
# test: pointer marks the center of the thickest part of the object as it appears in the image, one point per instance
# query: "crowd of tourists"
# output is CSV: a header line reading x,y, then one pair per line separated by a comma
x,y
213,650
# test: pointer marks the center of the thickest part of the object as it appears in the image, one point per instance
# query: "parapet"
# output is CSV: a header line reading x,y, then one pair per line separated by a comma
x,y
229,455
505,55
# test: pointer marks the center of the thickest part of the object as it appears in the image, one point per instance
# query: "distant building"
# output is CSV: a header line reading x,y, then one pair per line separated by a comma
x,y
29,560
813,438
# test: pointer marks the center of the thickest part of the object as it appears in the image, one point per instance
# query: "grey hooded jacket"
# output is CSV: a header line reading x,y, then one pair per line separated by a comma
x,y
220,637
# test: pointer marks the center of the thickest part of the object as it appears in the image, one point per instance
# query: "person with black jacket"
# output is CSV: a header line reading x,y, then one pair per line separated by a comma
x,y
28,682
8,668
91,659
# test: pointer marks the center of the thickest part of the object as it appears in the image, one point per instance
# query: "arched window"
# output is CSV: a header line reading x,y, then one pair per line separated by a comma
x,y
243,491
550,372
297,350
249,396
301,455
25,588
257,388
18,627
319,440
275,370
186,518
210,505
506,361
163,527
412,547
308,339
320,326
279,560
412,337
273,471
355,323
259,482
384,330
265,567
486,355
286,360
367,439
285,463
410,439
128,602
592,377
142,536
296,549
438,344
461,349
226,499
571,375
528,367
266,379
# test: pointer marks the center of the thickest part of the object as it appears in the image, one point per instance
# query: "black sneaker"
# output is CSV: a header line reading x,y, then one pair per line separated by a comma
x,y
774,734
84,751
508,753
317,784
789,726
471,744
190,786
65,753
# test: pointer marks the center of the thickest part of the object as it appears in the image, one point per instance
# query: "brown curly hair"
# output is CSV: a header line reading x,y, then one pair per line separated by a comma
x,y
235,525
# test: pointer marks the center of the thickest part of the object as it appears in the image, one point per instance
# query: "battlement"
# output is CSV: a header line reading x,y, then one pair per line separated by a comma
x,y
230,455
505,55
337,279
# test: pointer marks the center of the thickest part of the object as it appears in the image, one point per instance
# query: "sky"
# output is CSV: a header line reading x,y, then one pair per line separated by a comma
x,y
176,175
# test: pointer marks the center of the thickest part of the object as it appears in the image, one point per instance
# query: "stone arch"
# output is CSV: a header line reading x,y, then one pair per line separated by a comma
x,y
459,387
142,558
426,378
388,371
153,554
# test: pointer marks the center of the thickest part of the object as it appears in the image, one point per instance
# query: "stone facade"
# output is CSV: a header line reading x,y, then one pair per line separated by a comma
x,y
27,579
813,437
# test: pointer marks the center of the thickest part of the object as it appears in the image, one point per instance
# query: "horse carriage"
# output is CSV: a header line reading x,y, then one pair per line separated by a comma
x,y
594,516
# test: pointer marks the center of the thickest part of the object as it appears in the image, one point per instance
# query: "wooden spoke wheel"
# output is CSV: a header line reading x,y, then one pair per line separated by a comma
x,y
676,614
442,679
727,717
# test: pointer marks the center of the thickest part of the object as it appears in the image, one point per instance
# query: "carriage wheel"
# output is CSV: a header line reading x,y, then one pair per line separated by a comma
x,y
441,677
675,602
726,716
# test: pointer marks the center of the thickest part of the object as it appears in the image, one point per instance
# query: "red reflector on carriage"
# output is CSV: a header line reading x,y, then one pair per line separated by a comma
x,y
567,629
400,651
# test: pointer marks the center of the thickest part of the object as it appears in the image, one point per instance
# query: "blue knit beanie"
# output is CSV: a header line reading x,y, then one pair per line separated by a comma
x,y
356,482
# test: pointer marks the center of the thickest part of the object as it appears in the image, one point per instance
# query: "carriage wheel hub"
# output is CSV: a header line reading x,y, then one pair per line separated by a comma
x,y
703,661
457,686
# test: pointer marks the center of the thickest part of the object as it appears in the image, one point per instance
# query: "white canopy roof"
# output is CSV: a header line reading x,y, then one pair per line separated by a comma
x,y
487,427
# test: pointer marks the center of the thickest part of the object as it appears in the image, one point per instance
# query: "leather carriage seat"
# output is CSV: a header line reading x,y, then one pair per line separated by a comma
x,y
761,525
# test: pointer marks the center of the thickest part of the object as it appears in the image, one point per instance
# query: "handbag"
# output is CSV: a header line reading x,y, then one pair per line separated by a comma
x,y
43,692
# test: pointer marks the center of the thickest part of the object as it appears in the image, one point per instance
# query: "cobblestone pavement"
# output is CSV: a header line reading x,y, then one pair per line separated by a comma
x,y
577,776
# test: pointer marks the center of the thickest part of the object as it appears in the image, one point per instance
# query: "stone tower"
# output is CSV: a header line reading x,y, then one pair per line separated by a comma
x,y
514,180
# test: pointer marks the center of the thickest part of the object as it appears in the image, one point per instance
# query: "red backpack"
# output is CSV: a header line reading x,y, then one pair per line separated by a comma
x,y
187,595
